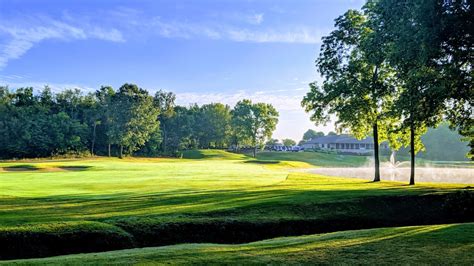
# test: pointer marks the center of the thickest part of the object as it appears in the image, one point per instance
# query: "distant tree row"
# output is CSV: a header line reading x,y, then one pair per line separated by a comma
x,y
123,122
396,68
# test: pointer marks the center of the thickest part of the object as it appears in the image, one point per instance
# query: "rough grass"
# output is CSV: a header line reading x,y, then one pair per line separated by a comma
x,y
451,244
226,200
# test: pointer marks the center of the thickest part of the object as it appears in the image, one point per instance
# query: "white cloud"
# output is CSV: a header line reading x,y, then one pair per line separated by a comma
x,y
255,19
284,102
38,85
21,36
186,30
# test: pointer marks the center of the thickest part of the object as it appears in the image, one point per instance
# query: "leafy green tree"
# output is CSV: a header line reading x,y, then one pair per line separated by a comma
x,y
165,103
311,134
288,142
213,125
443,144
410,30
272,142
104,98
134,118
254,122
359,85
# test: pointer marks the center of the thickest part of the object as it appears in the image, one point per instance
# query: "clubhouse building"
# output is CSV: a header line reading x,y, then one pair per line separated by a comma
x,y
343,144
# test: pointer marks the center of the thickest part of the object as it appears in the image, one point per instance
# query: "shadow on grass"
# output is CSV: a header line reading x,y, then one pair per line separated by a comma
x,y
21,167
262,161
75,167
31,167
218,216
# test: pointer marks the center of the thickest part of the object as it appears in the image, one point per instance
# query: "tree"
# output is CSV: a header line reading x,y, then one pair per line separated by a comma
x,y
443,144
213,125
288,142
104,98
254,122
411,31
311,134
271,142
164,102
358,85
134,118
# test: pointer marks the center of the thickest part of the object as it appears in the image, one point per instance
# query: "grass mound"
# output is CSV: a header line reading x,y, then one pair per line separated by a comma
x,y
212,154
40,240
402,245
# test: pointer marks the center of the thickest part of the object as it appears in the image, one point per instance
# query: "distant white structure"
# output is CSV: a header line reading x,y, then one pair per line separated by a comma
x,y
342,144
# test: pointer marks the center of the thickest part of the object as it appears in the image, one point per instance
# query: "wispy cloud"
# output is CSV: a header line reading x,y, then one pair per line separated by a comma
x,y
282,101
186,30
255,19
39,85
21,36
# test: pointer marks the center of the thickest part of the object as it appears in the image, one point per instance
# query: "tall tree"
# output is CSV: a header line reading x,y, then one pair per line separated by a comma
x,y
165,103
104,98
254,122
359,85
311,133
134,118
213,125
411,31
288,142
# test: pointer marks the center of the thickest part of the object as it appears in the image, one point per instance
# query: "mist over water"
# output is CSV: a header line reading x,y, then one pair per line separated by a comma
x,y
422,174
400,171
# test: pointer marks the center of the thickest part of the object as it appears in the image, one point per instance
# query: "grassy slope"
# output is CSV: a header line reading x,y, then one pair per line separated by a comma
x,y
439,244
132,200
110,188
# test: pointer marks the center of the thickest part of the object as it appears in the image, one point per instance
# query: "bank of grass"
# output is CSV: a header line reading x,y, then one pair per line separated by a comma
x,y
153,201
447,244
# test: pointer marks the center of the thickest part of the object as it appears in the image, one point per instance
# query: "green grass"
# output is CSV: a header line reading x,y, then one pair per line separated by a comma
x,y
221,197
451,244
316,158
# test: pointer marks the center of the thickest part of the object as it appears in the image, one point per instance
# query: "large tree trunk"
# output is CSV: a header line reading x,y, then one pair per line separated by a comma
x,y
121,152
109,149
255,151
412,153
376,153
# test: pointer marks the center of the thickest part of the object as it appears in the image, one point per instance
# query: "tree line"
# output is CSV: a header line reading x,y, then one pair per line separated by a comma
x,y
123,122
395,68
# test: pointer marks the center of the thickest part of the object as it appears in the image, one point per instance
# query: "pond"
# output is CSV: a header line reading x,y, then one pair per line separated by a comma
x,y
422,174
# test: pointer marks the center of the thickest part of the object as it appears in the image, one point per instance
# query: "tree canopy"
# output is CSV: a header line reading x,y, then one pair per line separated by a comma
x,y
120,122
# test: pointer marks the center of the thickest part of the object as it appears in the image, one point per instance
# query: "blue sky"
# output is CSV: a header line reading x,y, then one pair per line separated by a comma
x,y
204,51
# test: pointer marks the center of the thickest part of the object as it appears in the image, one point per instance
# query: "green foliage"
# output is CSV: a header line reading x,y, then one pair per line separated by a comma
x,y
272,142
213,124
444,144
288,142
125,121
253,123
311,133
359,85
134,118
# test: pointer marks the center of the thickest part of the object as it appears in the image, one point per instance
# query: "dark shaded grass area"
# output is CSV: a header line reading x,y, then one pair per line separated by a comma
x,y
237,225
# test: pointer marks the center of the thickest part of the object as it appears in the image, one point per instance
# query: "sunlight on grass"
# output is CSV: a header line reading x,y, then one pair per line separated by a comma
x,y
372,246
